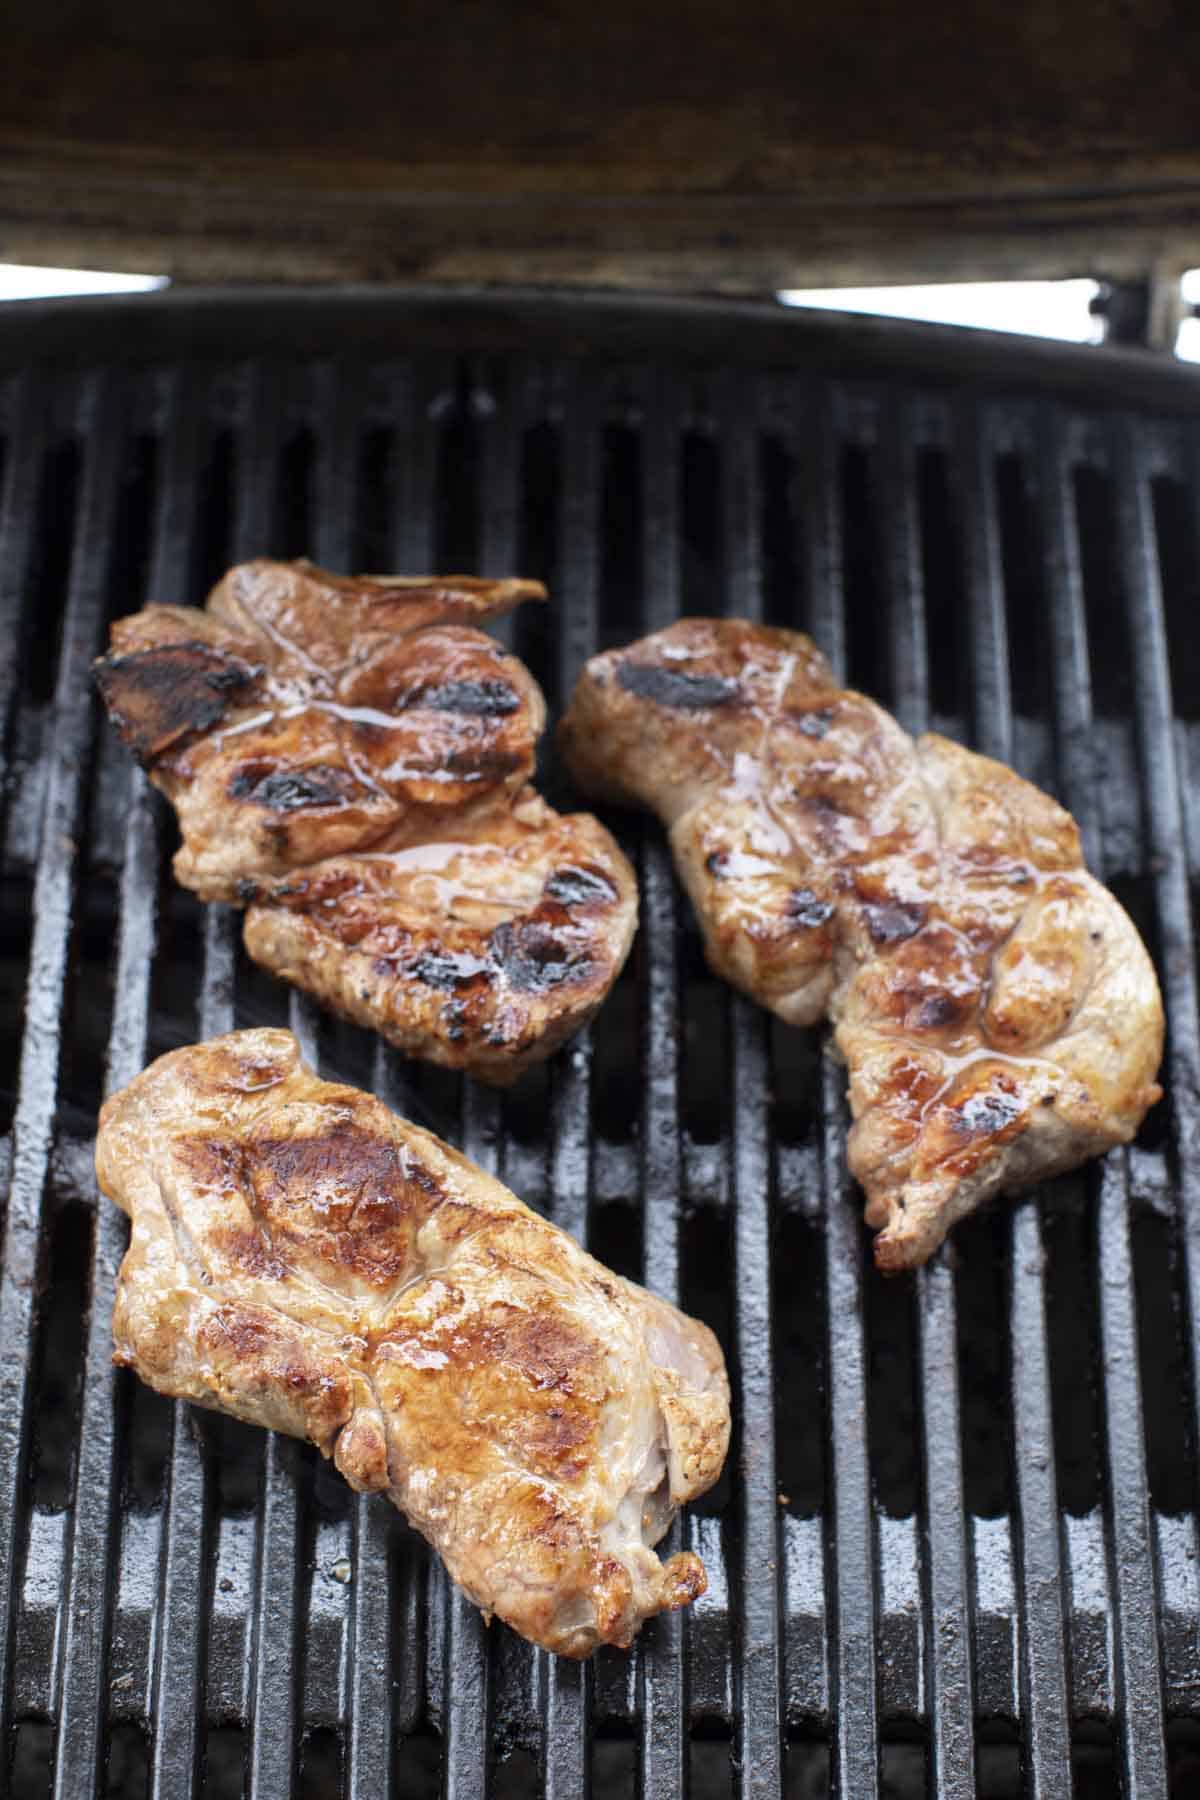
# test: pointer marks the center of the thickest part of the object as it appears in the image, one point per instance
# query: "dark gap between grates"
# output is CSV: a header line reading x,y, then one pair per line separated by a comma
x,y
703,1073
614,1237
59,1358
903,1770
457,471
419,1763
514,1775
868,666
1136,894
1073,1333
235,1451
1179,563
173,1015
214,509
89,995
1166,1385
704,1292
348,1053
128,1774
998,1761
1024,593
525,1108
978,1249
807,1770
224,1770
1183,1750
795,1097
1094,1763
541,463
777,475
1108,631
891,1382
376,486
291,531
710,1767
941,561
46,581
614,1767
616,1084
331,1498
32,1760
620,536
129,563
702,551
262,998
148,1444
16,929
538,627
798,1268
321,1766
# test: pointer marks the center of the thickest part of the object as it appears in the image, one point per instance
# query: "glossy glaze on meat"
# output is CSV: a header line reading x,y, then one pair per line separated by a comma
x,y
304,1259
351,759
995,1007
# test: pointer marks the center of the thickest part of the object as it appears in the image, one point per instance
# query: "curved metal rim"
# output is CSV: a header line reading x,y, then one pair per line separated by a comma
x,y
228,322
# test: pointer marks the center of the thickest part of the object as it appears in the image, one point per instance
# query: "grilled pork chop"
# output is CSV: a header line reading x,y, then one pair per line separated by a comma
x,y
304,1259
350,758
996,1009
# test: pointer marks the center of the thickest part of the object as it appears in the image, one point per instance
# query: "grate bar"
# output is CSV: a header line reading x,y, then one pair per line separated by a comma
x,y
53,908
18,525
853,1703
1163,787
1135,1643
370,1755
274,1672
80,1748
567,1688
948,1665
180,1643
659,1658
759,1664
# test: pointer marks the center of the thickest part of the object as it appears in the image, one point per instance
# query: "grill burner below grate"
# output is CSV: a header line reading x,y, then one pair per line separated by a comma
x,y
956,1541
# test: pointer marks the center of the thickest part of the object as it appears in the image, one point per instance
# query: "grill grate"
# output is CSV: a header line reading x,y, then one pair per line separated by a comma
x,y
956,1545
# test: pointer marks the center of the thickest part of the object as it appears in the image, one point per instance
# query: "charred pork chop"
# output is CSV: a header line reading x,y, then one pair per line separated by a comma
x,y
304,1259
996,1009
351,759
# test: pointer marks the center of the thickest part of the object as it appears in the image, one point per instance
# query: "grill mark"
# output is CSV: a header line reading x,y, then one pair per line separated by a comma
x,y
576,886
805,908
477,699
892,921
940,1010
982,1114
156,697
450,969
289,790
671,687
533,958
816,724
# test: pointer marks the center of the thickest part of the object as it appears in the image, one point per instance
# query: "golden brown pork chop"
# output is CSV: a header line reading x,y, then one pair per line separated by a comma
x,y
996,1009
304,1259
351,759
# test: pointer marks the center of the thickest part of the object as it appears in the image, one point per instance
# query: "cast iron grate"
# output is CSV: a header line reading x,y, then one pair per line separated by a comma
x,y
956,1546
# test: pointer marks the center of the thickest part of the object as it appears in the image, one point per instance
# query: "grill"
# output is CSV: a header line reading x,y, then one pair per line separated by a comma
x,y
955,1548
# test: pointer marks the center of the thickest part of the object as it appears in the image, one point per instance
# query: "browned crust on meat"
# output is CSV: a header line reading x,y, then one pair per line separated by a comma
x,y
308,727
998,1014
305,1260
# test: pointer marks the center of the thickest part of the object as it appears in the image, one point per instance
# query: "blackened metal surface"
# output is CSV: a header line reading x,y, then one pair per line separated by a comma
x,y
959,1516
